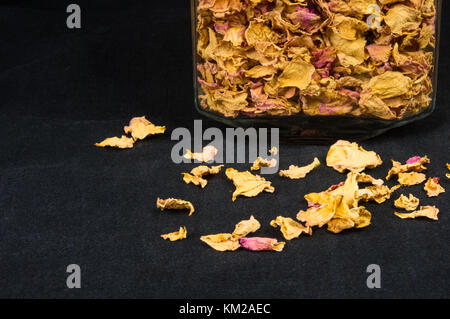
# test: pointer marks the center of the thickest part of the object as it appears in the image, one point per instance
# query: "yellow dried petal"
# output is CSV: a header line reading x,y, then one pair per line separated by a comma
x,y
401,18
338,225
208,153
416,166
433,188
290,228
317,216
295,172
179,235
123,142
222,242
297,73
366,178
389,84
430,212
175,204
344,155
197,174
412,178
377,193
247,184
140,128
407,203
274,151
245,227
261,162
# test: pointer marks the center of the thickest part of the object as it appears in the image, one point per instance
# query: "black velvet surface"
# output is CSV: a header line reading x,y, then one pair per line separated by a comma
x,y
63,201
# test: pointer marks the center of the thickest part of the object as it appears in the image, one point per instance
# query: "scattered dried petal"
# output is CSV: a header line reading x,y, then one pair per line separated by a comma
x,y
222,242
377,193
140,128
416,164
179,235
197,174
433,188
344,155
407,203
123,142
295,172
430,212
246,227
261,244
261,162
247,184
290,228
175,204
410,179
207,155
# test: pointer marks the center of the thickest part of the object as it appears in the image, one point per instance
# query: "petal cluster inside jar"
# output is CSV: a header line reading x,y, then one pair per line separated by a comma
x,y
317,57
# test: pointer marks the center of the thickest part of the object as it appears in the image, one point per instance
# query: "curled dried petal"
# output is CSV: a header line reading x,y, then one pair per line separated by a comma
x,y
290,228
123,142
246,227
344,155
412,178
222,242
261,244
407,203
430,212
261,162
247,184
208,154
295,172
179,235
433,188
140,128
197,174
175,204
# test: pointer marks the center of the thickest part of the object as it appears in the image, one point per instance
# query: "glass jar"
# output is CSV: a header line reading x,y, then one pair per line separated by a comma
x,y
317,69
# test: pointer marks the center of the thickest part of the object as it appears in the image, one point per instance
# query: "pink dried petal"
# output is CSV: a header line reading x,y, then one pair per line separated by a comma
x,y
258,243
413,160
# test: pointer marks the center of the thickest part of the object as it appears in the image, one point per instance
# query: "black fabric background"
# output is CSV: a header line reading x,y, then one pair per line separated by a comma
x,y
63,201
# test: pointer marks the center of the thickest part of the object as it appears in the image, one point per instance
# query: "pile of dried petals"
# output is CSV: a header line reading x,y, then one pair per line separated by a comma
x,y
316,57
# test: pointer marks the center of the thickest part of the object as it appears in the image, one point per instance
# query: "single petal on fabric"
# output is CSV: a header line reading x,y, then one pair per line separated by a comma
x,y
261,244
411,178
208,154
430,212
433,188
179,235
245,227
290,228
407,203
197,175
261,162
140,128
222,242
247,184
175,204
344,155
296,172
123,142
